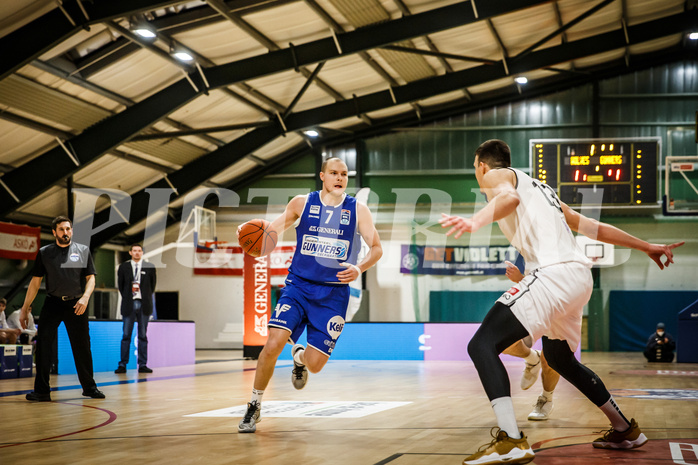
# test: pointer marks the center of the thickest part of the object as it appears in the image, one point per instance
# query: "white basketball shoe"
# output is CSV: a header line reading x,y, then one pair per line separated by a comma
x,y
530,373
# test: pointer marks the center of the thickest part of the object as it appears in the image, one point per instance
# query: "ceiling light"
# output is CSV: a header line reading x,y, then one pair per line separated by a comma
x,y
181,55
521,80
311,133
693,36
146,33
143,29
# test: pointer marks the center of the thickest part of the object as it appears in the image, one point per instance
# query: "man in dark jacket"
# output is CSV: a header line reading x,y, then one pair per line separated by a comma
x,y
660,346
136,280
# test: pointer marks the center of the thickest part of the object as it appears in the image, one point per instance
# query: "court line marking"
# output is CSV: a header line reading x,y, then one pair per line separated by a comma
x,y
111,419
128,381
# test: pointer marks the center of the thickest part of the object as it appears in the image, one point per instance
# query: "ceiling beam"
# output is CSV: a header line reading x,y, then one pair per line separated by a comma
x,y
419,51
35,125
235,18
192,132
205,167
27,43
536,89
337,28
31,179
404,9
563,28
172,24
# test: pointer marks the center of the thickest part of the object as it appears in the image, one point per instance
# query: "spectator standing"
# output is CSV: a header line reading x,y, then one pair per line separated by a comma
x,y
136,281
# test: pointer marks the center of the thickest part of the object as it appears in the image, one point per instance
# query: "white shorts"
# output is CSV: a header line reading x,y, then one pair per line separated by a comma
x,y
550,302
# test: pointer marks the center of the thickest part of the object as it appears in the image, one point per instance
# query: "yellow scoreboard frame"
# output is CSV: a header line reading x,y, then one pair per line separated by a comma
x,y
619,172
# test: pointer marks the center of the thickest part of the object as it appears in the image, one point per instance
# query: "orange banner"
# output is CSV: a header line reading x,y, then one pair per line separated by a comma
x,y
257,295
19,242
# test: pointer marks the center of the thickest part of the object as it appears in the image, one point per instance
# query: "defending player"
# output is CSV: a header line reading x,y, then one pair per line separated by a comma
x,y
317,292
547,303
535,364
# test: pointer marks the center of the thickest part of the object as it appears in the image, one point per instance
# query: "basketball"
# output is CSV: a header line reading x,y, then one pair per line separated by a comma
x,y
257,238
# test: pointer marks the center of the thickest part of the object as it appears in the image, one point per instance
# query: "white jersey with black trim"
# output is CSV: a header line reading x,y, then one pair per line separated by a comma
x,y
538,229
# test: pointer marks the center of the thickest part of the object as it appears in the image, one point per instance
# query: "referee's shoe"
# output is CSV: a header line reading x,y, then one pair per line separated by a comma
x,y
94,393
37,397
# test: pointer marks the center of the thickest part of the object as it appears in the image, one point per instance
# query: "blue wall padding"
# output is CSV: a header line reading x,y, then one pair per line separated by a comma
x,y
634,315
374,341
687,348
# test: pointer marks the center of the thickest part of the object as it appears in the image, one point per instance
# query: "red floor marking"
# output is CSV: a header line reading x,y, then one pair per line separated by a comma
x,y
112,417
539,444
653,452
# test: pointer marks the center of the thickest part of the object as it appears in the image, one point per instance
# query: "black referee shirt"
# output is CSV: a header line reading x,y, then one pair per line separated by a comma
x,y
65,268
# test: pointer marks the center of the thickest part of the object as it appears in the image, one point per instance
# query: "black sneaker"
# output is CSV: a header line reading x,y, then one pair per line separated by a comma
x,y
120,370
36,397
144,369
248,424
95,394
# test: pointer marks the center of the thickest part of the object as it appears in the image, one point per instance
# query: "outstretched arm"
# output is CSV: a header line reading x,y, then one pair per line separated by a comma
x,y
605,232
293,211
499,187
288,217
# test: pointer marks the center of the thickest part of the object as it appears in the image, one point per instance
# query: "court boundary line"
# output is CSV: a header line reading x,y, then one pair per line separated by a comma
x,y
111,419
127,381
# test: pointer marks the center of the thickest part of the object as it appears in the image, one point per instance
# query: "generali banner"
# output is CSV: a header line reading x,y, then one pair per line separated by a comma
x,y
257,295
19,242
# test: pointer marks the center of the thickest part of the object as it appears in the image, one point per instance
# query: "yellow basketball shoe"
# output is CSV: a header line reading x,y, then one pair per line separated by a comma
x,y
502,449
629,439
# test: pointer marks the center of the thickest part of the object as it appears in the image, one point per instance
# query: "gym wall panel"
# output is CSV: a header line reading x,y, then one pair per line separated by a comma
x,y
634,316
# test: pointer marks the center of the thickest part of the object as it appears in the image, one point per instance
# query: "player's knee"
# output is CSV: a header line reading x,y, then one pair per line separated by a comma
x,y
477,347
315,367
315,361
558,355
274,346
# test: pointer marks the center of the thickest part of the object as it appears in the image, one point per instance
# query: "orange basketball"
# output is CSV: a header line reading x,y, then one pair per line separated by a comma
x,y
257,238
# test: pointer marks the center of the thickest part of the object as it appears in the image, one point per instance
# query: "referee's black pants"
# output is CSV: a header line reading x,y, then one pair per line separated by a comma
x,y
53,313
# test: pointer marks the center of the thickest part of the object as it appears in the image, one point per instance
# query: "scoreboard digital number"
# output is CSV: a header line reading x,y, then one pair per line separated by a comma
x,y
592,172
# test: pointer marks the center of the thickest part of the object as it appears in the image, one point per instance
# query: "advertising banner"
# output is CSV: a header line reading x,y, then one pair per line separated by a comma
x,y
257,298
19,242
456,260
229,261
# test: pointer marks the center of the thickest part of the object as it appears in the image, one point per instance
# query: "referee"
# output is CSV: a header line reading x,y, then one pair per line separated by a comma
x,y
70,280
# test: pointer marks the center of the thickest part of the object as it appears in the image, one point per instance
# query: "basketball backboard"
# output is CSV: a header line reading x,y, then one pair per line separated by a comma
x,y
202,223
680,186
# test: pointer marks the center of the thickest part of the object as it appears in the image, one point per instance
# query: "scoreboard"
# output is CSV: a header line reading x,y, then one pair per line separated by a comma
x,y
591,172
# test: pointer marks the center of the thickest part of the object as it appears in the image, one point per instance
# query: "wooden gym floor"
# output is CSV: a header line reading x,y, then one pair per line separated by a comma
x,y
447,415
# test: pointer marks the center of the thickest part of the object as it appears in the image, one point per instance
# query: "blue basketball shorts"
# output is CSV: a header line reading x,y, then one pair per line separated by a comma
x,y
319,307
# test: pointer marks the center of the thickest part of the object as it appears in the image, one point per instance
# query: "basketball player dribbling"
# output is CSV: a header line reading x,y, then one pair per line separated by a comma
x,y
547,303
316,294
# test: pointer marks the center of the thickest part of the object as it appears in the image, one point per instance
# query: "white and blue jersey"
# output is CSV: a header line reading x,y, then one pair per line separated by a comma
x,y
325,237
313,297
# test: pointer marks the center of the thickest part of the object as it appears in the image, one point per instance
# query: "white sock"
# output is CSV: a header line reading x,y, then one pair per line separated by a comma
x,y
297,357
548,395
533,358
506,418
257,396
615,416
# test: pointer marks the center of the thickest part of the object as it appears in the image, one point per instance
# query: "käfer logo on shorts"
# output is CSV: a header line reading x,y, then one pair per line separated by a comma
x,y
335,326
